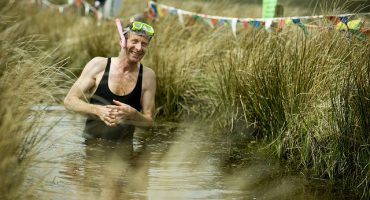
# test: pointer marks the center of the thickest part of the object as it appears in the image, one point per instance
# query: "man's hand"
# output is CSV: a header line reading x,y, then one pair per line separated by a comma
x,y
121,112
105,114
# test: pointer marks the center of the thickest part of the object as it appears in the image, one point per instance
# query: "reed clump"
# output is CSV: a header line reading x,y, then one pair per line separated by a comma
x,y
27,78
305,97
289,90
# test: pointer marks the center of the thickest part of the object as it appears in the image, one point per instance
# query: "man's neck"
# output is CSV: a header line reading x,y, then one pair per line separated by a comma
x,y
125,65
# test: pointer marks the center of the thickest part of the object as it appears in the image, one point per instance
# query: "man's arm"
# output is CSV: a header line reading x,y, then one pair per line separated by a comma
x,y
148,100
82,87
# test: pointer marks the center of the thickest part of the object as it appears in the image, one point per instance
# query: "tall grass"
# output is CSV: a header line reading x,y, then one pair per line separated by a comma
x,y
306,98
351,122
182,76
27,78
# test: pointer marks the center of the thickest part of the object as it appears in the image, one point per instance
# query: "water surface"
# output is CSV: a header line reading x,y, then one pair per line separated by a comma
x,y
171,161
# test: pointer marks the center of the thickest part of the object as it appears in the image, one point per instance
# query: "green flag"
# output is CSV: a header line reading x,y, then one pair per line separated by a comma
x,y
268,8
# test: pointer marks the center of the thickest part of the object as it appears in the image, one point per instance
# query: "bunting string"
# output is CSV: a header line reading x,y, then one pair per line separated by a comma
x,y
88,8
155,10
340,22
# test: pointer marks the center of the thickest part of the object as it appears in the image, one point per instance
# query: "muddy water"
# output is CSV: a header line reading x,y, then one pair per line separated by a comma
x,y
172,161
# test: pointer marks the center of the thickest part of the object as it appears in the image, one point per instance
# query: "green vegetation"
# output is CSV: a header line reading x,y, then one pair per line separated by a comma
x,y
27,78
306,99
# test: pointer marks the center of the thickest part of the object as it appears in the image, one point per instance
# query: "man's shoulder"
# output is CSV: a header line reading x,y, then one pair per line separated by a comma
x,y
148,72
149,79
96,65
97,62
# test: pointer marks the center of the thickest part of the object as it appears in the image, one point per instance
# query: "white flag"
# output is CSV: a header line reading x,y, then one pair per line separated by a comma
x,y
181,18
233,25
268,24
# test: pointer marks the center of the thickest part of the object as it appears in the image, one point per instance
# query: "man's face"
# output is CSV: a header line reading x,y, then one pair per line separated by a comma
x,y
136,47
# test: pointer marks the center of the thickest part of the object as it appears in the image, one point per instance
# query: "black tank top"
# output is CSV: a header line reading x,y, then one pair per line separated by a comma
x,y
95,128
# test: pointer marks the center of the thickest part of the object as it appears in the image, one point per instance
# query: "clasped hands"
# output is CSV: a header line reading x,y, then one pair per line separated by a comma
x,y
112,115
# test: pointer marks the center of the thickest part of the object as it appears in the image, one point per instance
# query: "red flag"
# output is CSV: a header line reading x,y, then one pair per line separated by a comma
x,y
246,24
214,22
281,23
333,19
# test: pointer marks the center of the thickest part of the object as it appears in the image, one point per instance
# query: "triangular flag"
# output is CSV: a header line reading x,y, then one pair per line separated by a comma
x,y
289,21
355,24
333,19
227,22
344,19
298,22
214,22
181,17
234,21
353,27
154,9
208,22
341,26
268,24
358,34
256,24
220,22
173,11
246,24
281,23
164,11
196,17
159,11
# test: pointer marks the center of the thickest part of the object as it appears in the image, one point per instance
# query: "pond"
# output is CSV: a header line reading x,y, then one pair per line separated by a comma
x,y
170,161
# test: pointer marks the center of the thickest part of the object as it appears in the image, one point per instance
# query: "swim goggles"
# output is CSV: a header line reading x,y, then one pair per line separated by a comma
x,y
140,26
134,26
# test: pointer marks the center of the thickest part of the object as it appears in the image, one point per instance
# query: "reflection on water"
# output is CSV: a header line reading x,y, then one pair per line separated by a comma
x,y
172,161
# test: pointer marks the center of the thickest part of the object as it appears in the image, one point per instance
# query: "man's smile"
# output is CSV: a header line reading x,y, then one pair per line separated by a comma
x,y
136,54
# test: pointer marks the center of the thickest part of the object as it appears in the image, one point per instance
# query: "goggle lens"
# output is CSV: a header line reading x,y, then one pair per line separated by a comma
x,y
137,26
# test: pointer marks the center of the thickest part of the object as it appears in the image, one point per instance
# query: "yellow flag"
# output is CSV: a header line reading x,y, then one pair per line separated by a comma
x,y
353,24
160,13
289,21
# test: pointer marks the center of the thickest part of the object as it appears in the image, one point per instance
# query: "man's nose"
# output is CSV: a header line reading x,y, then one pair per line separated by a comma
x,y
139,46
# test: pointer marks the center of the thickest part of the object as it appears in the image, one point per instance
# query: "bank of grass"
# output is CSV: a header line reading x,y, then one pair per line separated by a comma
x,y
305,98
27,77
308,100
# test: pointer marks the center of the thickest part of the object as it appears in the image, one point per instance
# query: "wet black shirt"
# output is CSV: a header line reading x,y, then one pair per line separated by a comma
x,y
94,127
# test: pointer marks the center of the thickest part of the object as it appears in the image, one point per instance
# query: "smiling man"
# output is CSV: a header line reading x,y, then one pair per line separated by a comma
x,y
119,91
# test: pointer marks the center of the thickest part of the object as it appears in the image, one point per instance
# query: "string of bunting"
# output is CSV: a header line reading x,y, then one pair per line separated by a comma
x,y
88,8
340,22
